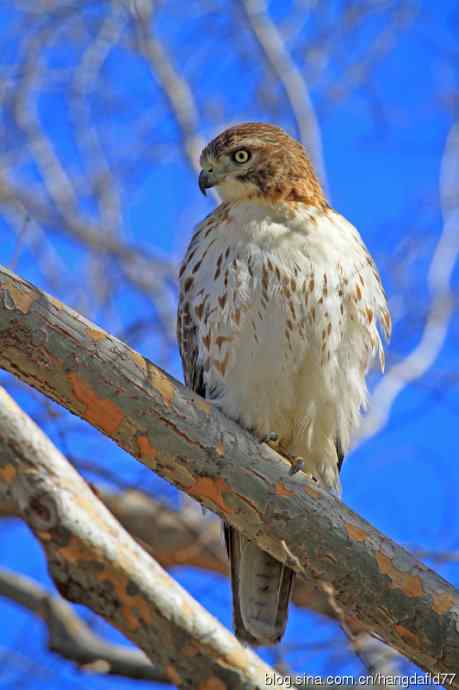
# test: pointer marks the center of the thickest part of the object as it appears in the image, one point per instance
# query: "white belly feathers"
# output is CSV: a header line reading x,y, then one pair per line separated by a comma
x,y
285,302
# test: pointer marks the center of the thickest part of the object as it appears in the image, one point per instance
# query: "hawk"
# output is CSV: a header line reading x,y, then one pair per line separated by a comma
x,y
280,304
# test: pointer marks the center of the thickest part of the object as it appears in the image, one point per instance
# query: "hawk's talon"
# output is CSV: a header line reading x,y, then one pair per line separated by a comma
x,y
296,465
271,439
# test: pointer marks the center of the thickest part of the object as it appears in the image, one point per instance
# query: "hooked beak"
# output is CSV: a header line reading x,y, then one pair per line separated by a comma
x,y
206,180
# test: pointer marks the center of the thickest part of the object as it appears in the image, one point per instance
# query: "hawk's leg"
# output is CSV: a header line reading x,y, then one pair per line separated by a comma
x,y
272,440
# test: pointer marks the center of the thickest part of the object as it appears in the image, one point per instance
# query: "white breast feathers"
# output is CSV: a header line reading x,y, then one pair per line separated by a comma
x,y
280,306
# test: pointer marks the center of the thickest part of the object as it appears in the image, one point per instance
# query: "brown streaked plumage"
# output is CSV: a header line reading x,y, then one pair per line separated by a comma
x,y
277,325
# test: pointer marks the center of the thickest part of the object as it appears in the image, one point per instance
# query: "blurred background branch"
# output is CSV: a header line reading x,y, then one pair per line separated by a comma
x,y
71,638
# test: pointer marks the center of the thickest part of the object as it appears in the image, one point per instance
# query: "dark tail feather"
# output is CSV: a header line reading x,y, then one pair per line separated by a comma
x,y
262,587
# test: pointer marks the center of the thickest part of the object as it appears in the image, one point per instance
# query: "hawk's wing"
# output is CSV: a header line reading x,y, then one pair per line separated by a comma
x,y
193,373
261,585
339,453
189,352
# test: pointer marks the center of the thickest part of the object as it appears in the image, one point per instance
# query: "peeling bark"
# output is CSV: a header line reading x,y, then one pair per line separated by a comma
x,y
182,538
184,439
93,561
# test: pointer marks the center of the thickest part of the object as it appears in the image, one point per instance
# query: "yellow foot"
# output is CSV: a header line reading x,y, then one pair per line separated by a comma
x,y
273,441
296,465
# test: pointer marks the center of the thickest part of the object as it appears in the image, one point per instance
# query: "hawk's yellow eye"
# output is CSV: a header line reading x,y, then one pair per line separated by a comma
x,y
241,156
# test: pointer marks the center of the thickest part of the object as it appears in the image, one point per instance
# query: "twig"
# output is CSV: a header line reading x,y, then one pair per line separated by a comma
x,y
71,638
419,361
177,91
283,66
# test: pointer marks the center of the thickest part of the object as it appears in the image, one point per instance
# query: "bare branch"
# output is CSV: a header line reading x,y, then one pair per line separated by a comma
x,y
284,68
188,442
83,83
142,268
71,638
436,327
94,561
178,93
184,538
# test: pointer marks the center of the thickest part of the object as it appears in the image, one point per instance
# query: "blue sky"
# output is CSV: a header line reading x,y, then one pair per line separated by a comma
x,y
383,142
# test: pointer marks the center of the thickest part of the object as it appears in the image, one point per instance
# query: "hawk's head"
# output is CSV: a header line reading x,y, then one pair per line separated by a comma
x,y
255,160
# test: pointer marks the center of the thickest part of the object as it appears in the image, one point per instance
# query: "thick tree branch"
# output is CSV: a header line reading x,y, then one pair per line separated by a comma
x,y
71,638
94,561
177,538
188,442
173,538
181,538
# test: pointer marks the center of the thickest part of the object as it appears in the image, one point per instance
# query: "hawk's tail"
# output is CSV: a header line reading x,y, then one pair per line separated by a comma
x,y
261,587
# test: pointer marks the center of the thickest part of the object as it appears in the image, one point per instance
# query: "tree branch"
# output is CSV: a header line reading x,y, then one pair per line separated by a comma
x,y
174,538
95,562
181,538
177,538
442,306
177,91
188,442
71,638
283,66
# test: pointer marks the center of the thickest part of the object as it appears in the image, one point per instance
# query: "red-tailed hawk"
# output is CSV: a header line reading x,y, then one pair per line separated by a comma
x,y
277,325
